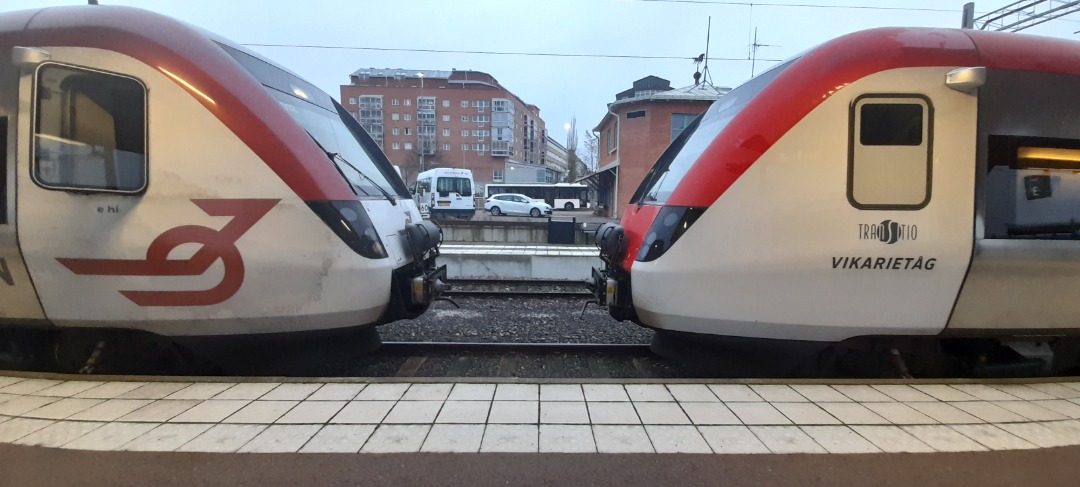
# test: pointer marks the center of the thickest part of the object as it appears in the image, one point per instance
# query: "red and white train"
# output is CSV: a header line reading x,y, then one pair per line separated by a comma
x,y
896,182
157,177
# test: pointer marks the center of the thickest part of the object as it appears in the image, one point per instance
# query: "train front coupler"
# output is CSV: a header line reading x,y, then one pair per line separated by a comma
x,y
422,282
610,284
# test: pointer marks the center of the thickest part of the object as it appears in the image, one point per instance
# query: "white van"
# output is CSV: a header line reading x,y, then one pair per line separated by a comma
x,y
446,193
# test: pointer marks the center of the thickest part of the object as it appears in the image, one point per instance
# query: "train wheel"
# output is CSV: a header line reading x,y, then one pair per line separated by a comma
x,y
568,206
535,212
495,211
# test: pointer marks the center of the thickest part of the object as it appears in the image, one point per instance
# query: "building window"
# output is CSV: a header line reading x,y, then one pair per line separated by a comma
x,y
408,146
352,100
446,118
464,118
464,104
408,131
679,122
396,131
397,146
90,131
446,146
890,152
465,133
408,116
446,103
445,132
394,116
395,102
408,102
464,147
497,176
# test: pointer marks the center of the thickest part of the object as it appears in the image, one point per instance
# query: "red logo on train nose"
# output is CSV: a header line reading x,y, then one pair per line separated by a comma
x,y
216,244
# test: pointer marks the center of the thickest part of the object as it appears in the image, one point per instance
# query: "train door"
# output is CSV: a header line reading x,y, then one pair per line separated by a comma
x,y
1027,256
909,177
18,300
82,174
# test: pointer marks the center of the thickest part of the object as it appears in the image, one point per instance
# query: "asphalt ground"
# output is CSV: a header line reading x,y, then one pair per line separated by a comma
x,y
22,465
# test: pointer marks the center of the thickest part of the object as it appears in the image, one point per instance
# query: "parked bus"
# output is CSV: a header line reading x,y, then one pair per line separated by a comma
x,y
564,196
446,193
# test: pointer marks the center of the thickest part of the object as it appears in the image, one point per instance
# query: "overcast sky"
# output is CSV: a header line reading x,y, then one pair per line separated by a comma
x,y
563,87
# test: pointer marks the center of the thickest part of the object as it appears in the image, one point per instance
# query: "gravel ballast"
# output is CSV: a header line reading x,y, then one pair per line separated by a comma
x,y
515,320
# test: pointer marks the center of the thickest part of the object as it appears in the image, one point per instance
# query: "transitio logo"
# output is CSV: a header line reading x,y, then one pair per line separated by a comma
x,y
216,244
888,231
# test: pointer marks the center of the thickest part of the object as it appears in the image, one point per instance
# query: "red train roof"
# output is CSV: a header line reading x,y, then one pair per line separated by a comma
x,y
238,100
824,70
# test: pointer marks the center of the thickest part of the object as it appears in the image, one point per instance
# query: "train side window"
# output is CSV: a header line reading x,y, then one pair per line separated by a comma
x,y
1032,188
890,148
90,131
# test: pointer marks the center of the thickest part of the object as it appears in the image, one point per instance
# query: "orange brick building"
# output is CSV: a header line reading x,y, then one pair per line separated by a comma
x,y
639,125
462,119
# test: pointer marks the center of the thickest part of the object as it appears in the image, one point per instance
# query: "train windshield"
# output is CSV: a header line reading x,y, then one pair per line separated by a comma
x,y
329,124
684,151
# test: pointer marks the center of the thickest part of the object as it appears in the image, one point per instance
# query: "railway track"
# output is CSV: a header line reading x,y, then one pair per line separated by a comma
x,y
518,287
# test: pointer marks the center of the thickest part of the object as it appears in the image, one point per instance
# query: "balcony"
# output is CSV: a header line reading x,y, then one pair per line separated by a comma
x,y
426,145
502,148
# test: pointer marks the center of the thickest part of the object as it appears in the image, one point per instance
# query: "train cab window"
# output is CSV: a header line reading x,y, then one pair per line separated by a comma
x,y
90,131
889,152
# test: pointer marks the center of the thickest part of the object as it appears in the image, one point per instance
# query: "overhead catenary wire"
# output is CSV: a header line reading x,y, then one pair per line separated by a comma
x,y
497,53
807,5
822,6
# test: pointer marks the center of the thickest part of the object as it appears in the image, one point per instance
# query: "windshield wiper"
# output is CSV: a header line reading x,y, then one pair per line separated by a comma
x,y
334,156
339,157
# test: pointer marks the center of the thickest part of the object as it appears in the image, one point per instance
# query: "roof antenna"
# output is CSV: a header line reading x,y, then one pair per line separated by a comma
x,y
703,74
753,51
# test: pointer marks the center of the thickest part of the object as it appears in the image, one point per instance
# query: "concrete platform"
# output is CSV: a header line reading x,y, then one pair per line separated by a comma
x,y
497,261
670,417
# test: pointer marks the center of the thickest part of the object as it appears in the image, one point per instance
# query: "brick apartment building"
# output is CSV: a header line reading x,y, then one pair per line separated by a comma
x,y
461,119
639,125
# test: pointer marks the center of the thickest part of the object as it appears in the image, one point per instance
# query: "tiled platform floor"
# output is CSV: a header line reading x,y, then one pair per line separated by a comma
x,y
606,418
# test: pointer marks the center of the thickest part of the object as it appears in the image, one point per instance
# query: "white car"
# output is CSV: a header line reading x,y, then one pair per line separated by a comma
x,y
516,204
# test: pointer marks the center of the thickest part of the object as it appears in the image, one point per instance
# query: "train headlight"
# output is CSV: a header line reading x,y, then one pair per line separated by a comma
x,y
670,224
349,220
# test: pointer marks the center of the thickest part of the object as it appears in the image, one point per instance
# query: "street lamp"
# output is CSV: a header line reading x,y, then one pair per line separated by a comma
x,y
419,137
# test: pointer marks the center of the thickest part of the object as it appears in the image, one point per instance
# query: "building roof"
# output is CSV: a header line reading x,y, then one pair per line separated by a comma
x,y
552,142
402,73
699,92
